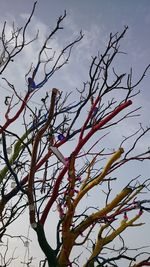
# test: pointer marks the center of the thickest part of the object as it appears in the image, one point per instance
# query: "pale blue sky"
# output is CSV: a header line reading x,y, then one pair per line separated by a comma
x,y
97,18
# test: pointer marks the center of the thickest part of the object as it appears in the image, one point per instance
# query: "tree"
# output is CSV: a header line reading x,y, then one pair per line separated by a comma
x,y
38,177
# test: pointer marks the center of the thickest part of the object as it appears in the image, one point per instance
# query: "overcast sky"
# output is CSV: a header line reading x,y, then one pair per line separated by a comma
x,y
96,18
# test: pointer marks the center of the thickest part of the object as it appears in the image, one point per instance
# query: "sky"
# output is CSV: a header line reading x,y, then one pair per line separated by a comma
x,y
97,19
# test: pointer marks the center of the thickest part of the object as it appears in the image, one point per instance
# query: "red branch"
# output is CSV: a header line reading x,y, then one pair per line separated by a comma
x,y
100,124
79,146
10,120
143,263
54,195
88,118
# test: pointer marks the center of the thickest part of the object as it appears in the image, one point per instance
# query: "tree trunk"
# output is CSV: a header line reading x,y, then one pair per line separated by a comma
x,y
47,250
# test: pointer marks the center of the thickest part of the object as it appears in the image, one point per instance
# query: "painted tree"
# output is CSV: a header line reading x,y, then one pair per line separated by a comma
x,y
58,162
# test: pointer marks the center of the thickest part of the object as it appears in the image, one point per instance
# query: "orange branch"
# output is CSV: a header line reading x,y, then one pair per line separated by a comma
x,y
34,157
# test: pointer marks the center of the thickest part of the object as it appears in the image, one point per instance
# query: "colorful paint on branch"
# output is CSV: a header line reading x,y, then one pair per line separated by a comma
x,y
60,163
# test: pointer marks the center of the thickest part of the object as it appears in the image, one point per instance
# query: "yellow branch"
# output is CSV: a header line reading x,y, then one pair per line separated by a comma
x,y
17,148
103,241
100,177
103,212
131,196
88,173
123,225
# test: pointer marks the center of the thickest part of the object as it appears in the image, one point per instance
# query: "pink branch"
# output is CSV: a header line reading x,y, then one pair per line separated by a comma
x,y
121,211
